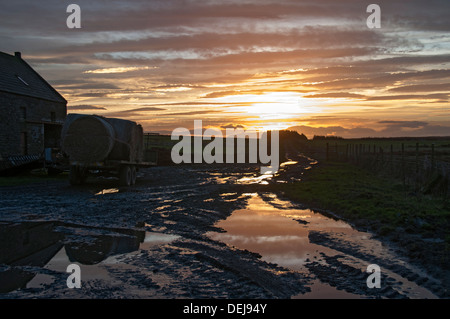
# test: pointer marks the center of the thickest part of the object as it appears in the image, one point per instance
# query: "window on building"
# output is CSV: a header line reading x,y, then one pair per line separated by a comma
x,y
53,116
22,80
24,143
23,113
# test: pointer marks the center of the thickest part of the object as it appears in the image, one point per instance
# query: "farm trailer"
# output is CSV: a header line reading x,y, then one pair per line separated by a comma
x,y
109,146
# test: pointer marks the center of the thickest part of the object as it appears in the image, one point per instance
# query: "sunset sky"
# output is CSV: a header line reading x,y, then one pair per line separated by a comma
x,y
311,65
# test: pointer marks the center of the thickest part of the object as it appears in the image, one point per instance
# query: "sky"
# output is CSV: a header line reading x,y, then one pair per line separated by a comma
x,y
309,65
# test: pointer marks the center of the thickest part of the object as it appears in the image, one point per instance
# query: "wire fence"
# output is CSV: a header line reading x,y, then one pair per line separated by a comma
x,y
424,167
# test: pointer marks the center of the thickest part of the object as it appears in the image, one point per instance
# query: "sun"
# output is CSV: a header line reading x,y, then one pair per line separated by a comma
x,y
275,105
272,110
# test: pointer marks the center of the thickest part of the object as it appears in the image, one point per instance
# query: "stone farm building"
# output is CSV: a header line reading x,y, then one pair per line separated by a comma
x,y
32,111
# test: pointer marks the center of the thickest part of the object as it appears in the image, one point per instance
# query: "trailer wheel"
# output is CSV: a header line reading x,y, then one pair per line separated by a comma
x,y
133,175
125,175
77,175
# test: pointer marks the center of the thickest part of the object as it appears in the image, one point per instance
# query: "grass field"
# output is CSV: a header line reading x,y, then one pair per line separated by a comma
x,y
380,203
158,141
27,177
410,142
440,147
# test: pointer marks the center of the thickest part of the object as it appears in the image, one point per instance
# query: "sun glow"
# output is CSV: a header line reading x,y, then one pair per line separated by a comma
x,y
117,70
273,110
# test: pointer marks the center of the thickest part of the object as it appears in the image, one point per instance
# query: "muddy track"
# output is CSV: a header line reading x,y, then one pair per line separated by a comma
x,y
150,240
352,249
183,201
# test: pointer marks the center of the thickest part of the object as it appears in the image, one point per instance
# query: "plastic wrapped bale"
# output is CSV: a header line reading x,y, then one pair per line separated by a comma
x,y
87,138
92,138
129,140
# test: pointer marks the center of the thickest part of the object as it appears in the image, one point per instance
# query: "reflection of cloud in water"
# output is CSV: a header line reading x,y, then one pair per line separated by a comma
x,y
261,179
270,232
96,271
40,244
108,191
155,239
264,178
275,234
288,163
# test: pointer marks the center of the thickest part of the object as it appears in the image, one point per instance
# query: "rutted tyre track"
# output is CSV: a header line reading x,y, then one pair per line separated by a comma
x,y
183,201
395,266
186,201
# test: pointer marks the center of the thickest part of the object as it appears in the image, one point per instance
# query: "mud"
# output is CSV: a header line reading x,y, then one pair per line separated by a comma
x,y
153,240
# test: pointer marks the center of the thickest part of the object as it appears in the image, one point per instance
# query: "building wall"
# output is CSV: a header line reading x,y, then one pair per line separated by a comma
x,y
24,118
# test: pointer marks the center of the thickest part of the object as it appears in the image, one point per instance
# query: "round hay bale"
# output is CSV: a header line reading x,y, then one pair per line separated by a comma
x,y
88,139
129,140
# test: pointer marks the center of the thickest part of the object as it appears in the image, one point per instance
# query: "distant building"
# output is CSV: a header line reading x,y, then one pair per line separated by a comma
x,y
32,112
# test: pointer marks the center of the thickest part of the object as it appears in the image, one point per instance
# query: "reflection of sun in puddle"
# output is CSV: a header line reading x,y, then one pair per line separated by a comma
x,y
108,191
155,239
275,234
97,271
260,179
228,197
260,228
288,163
247,178
263,179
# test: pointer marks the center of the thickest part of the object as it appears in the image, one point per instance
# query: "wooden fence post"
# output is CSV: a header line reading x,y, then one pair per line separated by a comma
x,y
403,164
391,159
417,166
432,157
417,158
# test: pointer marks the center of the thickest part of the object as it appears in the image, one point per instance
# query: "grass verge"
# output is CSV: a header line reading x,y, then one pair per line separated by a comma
x,y
28,178
358,195
377,204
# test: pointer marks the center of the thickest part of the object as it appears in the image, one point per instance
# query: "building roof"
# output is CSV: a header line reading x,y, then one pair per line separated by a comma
x,y
18,77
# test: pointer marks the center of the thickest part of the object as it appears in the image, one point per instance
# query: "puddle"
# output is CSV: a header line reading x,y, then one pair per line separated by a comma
x,y
245,178
156,239
53,247
281,235
288,163
95,269
259,179
107,191
264,178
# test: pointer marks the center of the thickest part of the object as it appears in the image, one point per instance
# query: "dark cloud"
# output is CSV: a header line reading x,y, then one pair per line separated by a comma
x,y
175,86
146,109
210,44
217,49
411,124
336,95
391,129
135,113
84,107
422,88
142,109
93,94
377,80
334,130
436,96
218,94
200,112
233,126
89,86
